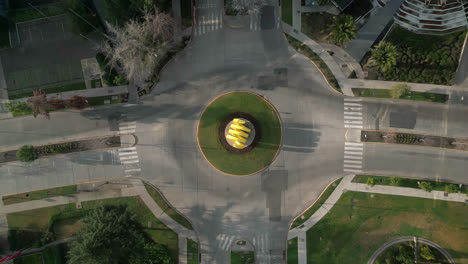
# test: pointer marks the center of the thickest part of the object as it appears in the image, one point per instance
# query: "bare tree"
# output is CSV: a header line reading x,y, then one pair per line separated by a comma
x,y
39,104
247,6
136,48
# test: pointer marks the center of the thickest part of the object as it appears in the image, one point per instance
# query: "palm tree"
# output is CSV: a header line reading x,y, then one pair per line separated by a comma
x,y
342,29
384,56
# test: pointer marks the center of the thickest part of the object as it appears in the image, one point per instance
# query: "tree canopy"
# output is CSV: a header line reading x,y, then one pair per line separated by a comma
x,y
343,29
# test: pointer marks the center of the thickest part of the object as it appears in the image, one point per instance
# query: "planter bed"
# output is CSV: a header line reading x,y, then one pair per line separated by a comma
x,y
67,147
422,140
416,96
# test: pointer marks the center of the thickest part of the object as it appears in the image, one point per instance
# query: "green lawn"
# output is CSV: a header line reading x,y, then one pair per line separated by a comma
x,y
37,195
240,164
31,14
286,11
416,96
359,224
306,51
247,257
309,212
422,58
292,251
65,219
99,100
51,90
32,259
192,251
404,182
167,208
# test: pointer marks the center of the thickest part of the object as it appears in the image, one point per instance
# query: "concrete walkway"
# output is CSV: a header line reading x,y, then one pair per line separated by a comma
x,y
128,188
347,185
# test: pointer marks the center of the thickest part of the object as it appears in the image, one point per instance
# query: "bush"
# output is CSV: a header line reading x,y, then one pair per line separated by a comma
x,y
399,90
451,188
395,181
370,181
27,153
426,186
18,108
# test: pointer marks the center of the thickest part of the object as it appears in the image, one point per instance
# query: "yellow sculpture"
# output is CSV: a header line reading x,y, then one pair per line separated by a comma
x,y
238,133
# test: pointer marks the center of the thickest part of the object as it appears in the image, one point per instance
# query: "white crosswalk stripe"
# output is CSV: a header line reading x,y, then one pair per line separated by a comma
x,y
127,153
353,151
208,22
353,117
352,99
352,110
129,156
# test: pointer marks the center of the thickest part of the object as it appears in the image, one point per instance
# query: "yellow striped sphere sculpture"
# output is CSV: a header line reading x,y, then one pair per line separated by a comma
x,y
238,133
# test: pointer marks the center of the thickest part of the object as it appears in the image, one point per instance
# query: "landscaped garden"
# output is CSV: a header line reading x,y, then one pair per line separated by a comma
x,y
37,195
242,257
408,95
416,57
359,223
192,252
286,11
40,226
292,252
406,252
268,131
318,203
317,25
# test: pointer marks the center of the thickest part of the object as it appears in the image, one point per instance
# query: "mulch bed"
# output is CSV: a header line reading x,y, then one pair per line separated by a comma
x,y
414,139
67,147
226,121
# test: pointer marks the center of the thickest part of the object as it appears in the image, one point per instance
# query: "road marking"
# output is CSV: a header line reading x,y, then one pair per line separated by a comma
x,y
129,157
352,170
353,113
126,131
352,108
129,161
353,161
352,166
353,153
124,149
132,170
352,122
127,123
350,99
353,104
353,148
352,126
353,117
353,144
353,157
125,127
127,153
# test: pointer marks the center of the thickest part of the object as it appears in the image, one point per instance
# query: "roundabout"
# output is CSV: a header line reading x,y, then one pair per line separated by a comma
x,y
239,133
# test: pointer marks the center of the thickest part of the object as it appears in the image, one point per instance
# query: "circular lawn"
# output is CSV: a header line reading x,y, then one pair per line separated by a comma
x,y
239,163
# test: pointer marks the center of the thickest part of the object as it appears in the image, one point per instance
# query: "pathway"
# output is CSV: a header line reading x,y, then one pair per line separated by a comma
x,y
103,191
347,185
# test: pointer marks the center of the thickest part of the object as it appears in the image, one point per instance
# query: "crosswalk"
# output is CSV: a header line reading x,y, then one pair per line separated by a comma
x,y
225,241
353,157
129,156
208,22
204,4
352,113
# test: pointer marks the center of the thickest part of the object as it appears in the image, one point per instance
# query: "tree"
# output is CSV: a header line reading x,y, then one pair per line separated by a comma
x,y
154,254
370,181
136,48
110,235
395,181
27,153
342,29
426,186
78,102
398,90
39,104
405,254
451,188
384,56
426,253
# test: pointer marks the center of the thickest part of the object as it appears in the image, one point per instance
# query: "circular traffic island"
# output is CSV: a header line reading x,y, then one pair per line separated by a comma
x,y
239,133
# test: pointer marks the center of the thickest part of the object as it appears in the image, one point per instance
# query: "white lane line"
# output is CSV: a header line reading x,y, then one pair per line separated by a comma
x,y
130,161
129,157
353,153
353,122
352,166
129,148
352,126
353,117
132,170
352,108
128,153
124,127
352,170
128,131
353,157
353,104
350,99
353,113
353,148
353,144
127,123
353,161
